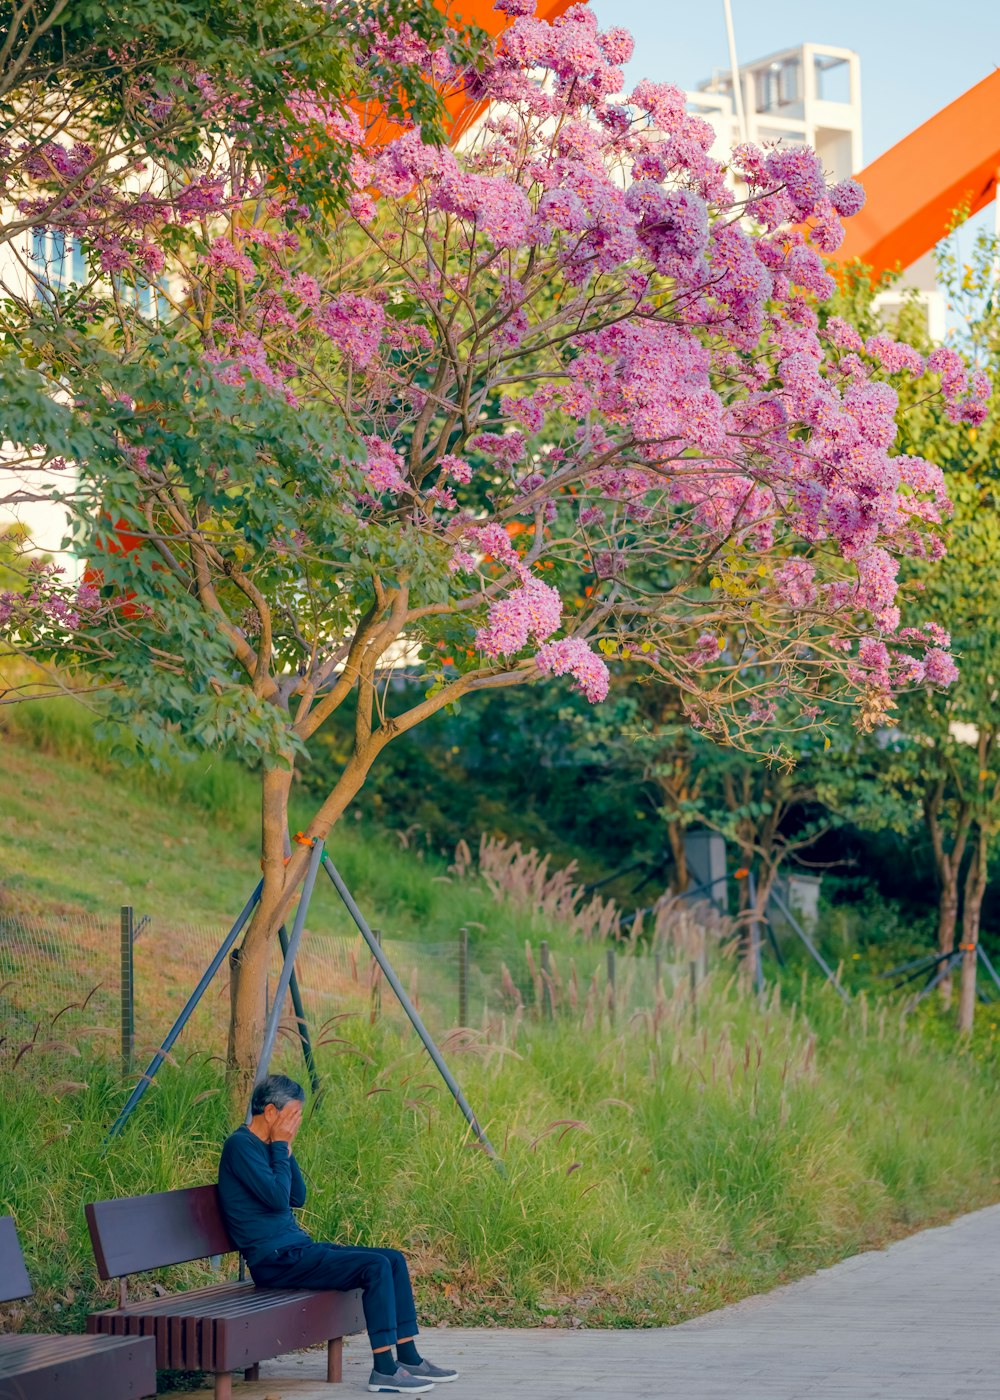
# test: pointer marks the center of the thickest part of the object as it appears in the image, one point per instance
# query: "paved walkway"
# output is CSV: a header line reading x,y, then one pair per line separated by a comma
x,y
918,1321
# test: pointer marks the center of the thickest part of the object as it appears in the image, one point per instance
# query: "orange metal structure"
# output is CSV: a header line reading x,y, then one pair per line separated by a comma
x,y
915,187
482,14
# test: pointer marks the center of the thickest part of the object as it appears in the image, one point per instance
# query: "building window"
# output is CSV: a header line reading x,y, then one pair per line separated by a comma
x,y
49,262
778,85
57,258
833,79
78,264
39,271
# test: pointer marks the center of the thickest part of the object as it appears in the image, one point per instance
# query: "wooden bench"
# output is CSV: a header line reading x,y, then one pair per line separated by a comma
x,y
223,1327
65,1368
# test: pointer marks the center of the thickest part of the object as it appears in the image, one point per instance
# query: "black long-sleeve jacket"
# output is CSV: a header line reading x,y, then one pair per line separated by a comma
x,y
259,1186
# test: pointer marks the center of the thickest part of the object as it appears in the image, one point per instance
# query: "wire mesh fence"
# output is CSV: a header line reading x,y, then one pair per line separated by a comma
x,y
62,979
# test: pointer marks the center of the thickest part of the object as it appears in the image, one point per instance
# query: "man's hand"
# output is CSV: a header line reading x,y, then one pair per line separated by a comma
x,y
287,1123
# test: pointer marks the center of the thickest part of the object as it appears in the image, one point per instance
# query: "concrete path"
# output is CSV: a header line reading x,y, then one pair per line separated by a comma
x,y
918,1321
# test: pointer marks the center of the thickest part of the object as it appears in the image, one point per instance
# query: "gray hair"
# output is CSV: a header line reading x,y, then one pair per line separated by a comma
x,y
277,1089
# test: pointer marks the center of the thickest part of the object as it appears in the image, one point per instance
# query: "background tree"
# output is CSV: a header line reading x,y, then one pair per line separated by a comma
x,y
940,762
517,414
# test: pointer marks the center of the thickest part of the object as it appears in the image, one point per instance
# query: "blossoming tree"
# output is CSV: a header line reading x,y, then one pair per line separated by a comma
x,y
556,401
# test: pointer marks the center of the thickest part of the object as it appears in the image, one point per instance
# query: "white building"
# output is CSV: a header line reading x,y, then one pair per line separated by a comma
x,y
33,266
807,96
810,95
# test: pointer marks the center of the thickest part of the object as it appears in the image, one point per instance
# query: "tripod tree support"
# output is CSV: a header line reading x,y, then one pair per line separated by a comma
x,y
185,1015
984,959
411,1010
942,966
287,966
756,963
300,1016
810,945
289,950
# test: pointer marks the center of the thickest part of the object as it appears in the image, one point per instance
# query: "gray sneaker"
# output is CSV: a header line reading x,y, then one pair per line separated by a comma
x,y
430,1372
400,1382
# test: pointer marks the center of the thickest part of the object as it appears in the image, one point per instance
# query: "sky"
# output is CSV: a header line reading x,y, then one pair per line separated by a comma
x,y
916,55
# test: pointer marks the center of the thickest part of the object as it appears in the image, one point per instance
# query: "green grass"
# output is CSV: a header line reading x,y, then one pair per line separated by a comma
x,y
655,1169
81,833
652,1172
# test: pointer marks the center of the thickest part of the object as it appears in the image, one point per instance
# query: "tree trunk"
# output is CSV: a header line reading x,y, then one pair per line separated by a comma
x,y
947,923
250,962
758,914
248,995
248,969
975,888
678,849
752,913
948,864
673,776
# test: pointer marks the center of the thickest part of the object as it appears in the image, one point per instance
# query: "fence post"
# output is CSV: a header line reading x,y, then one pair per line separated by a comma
x,y
756,967
547,1005
463,976
127,983
376,1007
612,995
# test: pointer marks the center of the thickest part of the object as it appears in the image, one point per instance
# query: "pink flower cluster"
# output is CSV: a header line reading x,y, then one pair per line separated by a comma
x,y
457,468
887,668
571,656
532,612
354,324
224,256
795,582
894,356
495,542
704,651
384,468
966,395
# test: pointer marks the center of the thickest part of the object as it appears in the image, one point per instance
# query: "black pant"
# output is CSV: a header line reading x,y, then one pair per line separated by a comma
x,y
381,1274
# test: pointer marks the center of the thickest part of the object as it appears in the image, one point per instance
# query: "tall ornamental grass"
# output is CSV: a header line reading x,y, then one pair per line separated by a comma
x,y
679,1159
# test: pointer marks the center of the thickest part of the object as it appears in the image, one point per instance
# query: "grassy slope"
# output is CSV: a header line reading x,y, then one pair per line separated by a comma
x,y
655,1169
74,839
79,834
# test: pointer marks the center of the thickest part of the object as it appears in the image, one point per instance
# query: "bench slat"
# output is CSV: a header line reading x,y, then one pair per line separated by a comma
x,y
217,1299
313,1317
14,1280
193,1347
208,1291
231,1326
56,1368
30,1348
175,1343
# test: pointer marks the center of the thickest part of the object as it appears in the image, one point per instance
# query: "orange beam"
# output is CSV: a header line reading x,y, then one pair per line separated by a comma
x,y
461,112
481,13
914,189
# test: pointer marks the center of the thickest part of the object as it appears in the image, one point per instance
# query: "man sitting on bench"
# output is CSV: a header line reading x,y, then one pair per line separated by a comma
x,y
259,1186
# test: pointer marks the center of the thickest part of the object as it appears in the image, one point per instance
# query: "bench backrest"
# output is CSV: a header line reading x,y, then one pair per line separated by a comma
x,y
14,1280
135,1233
